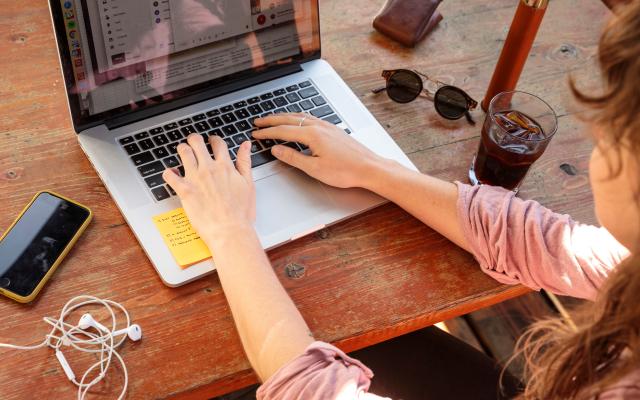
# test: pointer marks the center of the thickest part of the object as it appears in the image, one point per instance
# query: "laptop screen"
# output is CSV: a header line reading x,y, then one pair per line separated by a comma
x,y
123,55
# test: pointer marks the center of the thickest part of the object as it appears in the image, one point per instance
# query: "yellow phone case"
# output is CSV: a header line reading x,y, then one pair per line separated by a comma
x,y
27,299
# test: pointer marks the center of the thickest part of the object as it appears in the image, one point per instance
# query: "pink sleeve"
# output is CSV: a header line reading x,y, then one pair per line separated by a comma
x,y
518,241
322,372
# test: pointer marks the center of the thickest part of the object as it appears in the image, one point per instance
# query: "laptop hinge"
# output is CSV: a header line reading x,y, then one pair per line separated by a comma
x,y
220,90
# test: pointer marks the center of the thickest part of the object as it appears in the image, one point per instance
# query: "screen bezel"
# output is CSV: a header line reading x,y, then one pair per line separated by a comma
x,y
87,219
81,123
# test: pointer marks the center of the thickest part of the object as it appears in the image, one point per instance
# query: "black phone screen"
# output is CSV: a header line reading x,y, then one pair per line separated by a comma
x,y
37,240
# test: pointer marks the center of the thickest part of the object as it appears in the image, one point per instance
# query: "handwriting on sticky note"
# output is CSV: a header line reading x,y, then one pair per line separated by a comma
x,y
183,241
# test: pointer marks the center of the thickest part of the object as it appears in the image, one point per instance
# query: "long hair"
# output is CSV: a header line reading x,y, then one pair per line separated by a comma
x,y
565,362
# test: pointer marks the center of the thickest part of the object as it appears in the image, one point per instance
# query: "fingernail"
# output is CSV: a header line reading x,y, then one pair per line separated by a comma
x,y
276,151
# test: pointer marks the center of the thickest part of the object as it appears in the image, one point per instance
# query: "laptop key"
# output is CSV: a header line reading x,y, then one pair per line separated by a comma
x,y
239,139
292,88
141,135
293,97
280,110
160,152
255,146
261,158
240,104
156,130
267,105
279,92
268,143
306,105
170,126
229,118
227,108
171,191
181,170
132,148
254,109
146,144
155,180
150,169
160,193
160,140
187,130
319,101
266,96
280,101
304,84
294,108
322,111
173,147
215,122
199,117
201,126
229,130
213,113
171,162
142,158
174,135
334,119
216,132
229,142
126,140
184,121
254,100
308,92
242,114
243,126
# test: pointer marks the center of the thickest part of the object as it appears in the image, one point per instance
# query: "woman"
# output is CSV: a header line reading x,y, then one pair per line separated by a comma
x,y
515,241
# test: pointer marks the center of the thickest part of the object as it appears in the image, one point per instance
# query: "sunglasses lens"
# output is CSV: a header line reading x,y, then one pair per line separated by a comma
x,y
450,102
404,86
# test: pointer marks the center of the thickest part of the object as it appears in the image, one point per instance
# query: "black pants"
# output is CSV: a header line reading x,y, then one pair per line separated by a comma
x,y
431,364
427,364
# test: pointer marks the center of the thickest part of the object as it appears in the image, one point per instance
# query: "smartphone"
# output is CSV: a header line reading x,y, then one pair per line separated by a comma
x,y
37,242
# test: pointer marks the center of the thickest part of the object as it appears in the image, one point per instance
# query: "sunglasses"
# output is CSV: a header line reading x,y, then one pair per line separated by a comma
x,y
405,85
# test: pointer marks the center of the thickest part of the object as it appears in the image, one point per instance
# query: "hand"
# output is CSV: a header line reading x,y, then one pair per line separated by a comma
x,y
215,195
336,158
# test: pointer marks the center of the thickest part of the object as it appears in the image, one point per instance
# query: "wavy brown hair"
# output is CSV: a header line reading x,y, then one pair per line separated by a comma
x,y
575,362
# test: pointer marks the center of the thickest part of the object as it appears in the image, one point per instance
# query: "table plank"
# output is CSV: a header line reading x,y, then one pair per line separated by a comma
x,y
366,280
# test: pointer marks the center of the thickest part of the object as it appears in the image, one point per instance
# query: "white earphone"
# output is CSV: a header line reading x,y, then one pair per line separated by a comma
x,y
133,332
81,338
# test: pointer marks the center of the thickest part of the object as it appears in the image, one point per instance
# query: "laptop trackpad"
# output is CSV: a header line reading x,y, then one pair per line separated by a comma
x,y
287,199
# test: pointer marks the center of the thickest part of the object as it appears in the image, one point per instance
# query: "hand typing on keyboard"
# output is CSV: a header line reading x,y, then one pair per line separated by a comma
x,y
217,196
336,158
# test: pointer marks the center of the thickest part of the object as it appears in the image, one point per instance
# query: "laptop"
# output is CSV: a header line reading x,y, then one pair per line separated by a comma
x,y
142,75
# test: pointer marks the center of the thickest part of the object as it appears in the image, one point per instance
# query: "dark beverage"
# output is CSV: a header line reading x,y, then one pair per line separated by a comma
x,y
511,142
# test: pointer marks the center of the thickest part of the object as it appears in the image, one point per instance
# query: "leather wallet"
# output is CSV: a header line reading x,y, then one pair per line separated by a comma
x,y
407,21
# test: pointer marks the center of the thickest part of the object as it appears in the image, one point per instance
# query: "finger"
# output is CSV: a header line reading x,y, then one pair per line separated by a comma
x,y
293,119
292,157
243,161
199,148
173,179
188,158
219,148
286,133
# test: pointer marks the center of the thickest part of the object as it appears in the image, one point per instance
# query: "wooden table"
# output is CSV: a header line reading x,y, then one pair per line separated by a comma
x,y
366,280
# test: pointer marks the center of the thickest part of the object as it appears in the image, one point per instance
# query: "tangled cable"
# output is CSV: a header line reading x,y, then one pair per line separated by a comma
x,y
80,338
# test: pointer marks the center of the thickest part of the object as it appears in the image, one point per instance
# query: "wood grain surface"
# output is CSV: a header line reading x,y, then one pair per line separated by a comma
x,y
365,280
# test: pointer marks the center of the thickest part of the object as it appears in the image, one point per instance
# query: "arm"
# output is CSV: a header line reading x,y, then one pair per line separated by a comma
x,y
220,203
514,241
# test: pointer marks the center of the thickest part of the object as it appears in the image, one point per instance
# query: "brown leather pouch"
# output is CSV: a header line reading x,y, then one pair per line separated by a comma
x,y
407,21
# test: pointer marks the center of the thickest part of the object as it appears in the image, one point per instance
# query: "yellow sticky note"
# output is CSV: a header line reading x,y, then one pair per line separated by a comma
x,y
180,237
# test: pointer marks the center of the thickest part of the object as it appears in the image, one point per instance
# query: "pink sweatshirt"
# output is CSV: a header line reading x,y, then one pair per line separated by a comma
x,y
515,241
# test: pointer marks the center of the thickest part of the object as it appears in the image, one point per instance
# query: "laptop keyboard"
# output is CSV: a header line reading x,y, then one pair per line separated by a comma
x,y
154,150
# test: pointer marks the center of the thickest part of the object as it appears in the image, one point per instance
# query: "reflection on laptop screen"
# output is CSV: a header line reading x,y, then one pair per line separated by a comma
x,y
131,53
